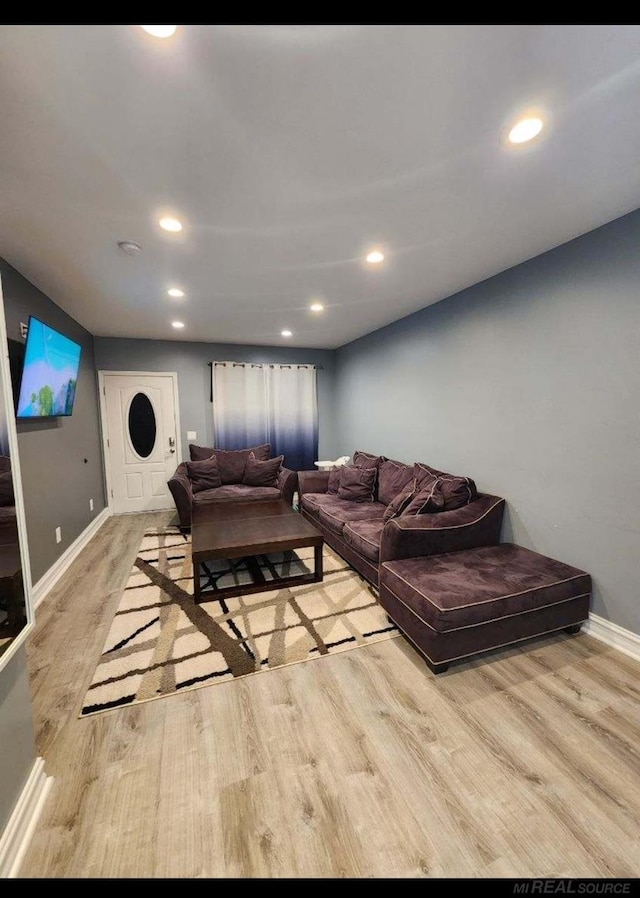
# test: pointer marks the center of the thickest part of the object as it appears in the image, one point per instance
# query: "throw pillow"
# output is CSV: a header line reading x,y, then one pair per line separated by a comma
x,y
204,475
231,462
262,473
6,489
399,502
334,481
457,491
427,498
357,484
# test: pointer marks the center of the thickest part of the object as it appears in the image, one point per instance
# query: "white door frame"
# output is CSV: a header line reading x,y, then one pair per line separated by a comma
x,y
103,419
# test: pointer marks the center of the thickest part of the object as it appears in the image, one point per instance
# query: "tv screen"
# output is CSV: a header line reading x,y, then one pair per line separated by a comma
x,y
49,373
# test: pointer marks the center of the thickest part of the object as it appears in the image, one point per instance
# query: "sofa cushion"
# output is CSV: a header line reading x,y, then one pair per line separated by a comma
x,y
236,492
313,502
231,462
7,497
357,484
365,460
393,476
334,515
420,471
364,537
262,473
463,589
197,453
398,504
203,475
427,498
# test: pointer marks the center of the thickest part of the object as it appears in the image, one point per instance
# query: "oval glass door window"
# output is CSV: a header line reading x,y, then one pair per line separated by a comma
x,y
142,425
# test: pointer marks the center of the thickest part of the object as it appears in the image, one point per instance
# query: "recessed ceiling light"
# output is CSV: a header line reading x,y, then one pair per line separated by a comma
x,y
375,257
170,224
176,293
316,307
526,129
177,324
160,30
287,334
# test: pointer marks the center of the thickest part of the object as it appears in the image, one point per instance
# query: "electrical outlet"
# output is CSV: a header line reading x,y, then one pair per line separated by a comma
x,y
90,504
58,534
192,435
23,330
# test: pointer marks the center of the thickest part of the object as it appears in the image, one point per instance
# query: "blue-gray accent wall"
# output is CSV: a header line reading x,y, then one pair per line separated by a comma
x,y
190,361
60,458
528,382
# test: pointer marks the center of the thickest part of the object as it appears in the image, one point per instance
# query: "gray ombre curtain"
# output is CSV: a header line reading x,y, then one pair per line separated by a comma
x,y
277,404
292,416
239,405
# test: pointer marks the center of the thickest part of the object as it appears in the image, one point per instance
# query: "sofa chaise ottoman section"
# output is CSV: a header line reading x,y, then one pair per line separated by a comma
x,y
458,604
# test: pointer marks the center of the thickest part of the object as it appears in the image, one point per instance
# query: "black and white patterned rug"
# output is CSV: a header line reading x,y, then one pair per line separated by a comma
x,y
160,642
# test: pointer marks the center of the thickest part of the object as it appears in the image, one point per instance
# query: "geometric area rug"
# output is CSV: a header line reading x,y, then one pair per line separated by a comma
x,y
161,643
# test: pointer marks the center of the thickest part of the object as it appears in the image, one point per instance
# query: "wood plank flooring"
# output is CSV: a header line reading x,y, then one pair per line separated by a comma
x,y
524,763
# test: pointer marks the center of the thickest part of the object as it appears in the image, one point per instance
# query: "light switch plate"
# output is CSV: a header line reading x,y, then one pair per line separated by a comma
x,y
192,435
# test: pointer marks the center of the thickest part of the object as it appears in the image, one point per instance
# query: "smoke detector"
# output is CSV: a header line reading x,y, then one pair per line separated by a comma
x,y
129,247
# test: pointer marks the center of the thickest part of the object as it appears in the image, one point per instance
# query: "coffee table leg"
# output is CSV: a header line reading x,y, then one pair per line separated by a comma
x,y
318,562
196,581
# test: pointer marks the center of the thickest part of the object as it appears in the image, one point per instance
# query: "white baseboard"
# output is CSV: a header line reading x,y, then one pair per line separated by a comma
x,y
624,640
17,834
57,569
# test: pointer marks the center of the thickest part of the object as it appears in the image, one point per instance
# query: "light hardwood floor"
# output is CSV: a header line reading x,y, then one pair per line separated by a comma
x,y
364,764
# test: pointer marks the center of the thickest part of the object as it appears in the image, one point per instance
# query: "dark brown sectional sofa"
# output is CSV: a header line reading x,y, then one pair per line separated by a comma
x,y
356,530
444,578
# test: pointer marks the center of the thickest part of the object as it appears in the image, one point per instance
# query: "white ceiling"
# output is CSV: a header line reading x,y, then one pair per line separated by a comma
x,y
289,151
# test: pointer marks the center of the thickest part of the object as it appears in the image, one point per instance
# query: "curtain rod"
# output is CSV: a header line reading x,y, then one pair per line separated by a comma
x,y
266,365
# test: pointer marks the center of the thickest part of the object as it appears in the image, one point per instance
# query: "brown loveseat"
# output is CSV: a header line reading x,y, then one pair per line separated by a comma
x,y
231,465
357,531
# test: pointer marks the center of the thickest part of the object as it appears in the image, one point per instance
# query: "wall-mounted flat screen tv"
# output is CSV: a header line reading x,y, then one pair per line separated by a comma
x,y
49,373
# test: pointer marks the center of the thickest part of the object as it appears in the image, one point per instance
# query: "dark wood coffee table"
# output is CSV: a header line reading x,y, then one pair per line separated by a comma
x,y
244,530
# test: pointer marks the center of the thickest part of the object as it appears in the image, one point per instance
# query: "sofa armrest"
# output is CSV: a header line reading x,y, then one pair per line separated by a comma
x,y
287,484
477,524
312,482
180,487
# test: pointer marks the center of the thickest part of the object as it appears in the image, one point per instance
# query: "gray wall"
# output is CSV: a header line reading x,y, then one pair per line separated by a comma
x,y
56,482
530,383
16,733
190,360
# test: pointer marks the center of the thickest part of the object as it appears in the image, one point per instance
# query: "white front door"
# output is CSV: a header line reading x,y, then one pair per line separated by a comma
x,y
140,419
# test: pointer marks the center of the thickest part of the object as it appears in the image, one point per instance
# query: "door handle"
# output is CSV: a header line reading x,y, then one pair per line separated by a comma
x,y
172,443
